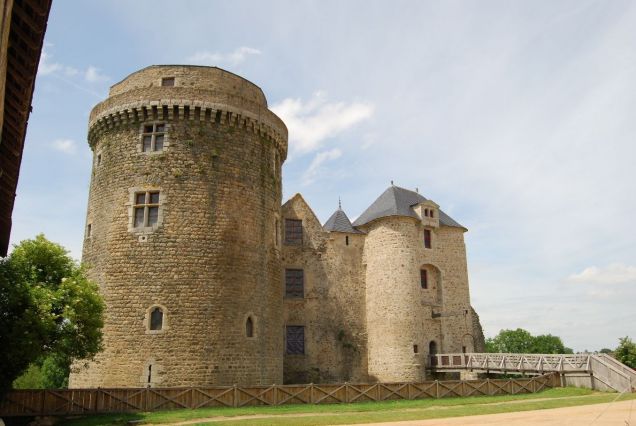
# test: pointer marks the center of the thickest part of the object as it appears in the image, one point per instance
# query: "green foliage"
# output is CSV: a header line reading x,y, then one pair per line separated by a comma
x,y
521,341
30,379
606,351
626,352
548,344
50,313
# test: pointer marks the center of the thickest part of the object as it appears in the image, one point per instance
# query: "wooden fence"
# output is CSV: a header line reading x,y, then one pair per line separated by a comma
x,y
88,401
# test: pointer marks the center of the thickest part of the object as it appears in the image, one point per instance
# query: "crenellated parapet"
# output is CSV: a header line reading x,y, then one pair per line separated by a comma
x,y
265,124
194,93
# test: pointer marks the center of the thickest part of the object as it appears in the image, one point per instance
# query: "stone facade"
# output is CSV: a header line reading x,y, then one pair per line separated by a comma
x,y
366,314
189,243
211,259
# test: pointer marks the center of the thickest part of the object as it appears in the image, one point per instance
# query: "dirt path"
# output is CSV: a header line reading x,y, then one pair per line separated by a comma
x,y
612,414
212,420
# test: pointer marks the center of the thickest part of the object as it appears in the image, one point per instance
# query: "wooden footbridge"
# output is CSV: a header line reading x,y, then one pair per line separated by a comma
x,y
595,371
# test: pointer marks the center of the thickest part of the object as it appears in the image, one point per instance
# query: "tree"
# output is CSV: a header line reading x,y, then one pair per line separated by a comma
x,y
521,341
626,352
50,313
548,344
510,341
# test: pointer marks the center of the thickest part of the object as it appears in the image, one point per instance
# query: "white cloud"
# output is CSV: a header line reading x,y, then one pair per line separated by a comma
x,y
67,146
316,166
92,75
310,123
238,56
615,273
48,67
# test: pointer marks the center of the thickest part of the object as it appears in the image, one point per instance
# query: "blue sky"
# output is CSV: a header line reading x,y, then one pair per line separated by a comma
x,y
516,117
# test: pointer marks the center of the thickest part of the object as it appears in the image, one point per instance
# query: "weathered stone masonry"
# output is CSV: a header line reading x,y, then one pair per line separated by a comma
x,y
187,243
211,260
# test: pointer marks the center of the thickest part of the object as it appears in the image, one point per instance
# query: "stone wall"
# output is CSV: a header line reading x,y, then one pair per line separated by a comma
x,y
217,258
212,261
332,309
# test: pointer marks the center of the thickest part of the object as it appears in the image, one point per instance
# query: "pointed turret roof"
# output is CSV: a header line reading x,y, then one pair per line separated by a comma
x,y
396,201
339,222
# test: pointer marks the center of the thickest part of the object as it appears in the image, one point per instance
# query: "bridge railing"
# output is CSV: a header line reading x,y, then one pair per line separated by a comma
x,y
604,369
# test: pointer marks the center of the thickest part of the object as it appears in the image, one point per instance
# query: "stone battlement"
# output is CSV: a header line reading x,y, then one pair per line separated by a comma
x,y
195,93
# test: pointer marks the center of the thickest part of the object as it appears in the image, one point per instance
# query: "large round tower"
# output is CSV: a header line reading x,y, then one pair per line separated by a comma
x,y
181,230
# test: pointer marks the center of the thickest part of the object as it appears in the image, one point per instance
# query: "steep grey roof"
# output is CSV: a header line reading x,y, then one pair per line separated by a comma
x,y
396,201
339,222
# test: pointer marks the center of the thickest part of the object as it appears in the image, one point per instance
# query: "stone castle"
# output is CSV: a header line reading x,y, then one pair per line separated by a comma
x,y
208,280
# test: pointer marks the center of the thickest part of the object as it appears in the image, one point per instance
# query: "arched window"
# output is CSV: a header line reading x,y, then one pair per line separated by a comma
x,y
432,348
156,319
249,327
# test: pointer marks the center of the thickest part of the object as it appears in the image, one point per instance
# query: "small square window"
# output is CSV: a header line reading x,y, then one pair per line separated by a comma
x,y
294,283
153,137
293,231
146,209
295,340
167,81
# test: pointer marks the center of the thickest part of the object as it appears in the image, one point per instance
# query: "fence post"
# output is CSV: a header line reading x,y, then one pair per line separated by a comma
x,y
235,395
311,393
275,397
436,389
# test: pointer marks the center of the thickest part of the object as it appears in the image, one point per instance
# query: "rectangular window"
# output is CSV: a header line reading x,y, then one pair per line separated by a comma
x,y
153,137
146,209
427,238
88,230
167,81
293,231
294,283
295,340
424,278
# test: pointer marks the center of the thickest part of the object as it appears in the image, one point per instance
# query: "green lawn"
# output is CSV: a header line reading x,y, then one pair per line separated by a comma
x,y
366,412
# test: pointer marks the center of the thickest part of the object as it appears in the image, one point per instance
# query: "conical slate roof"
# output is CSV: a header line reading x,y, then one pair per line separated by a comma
x,y
396,201
339,222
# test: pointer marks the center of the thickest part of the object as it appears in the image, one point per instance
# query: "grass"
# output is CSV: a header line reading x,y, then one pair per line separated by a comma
x,y
365,412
